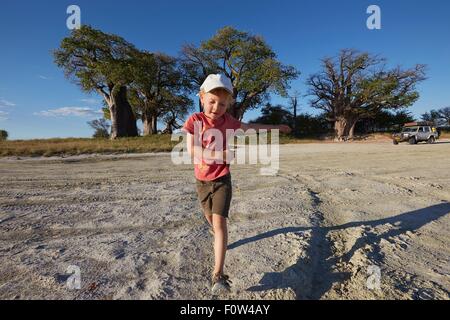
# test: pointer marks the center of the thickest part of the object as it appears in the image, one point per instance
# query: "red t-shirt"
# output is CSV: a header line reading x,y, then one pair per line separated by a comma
x,y
205,171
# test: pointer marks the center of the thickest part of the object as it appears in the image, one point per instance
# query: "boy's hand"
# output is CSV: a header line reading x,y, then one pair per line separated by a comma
x,y
285,129
228,156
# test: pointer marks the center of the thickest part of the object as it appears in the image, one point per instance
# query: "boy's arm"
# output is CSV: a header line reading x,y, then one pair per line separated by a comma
x,y
257,126
197,152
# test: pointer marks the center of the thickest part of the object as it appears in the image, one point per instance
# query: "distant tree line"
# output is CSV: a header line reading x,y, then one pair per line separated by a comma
x,y
101,127
308,125
353,90
440,117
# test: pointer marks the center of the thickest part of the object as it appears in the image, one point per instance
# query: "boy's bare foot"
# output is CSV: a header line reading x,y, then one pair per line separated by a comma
x,y
220,284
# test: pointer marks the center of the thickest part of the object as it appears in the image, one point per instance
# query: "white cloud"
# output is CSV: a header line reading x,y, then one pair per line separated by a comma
x,y
43,77
5,103
3,115
90,101
70,111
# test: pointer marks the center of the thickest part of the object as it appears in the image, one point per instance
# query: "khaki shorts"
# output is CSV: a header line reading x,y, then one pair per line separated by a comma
x,y
215,196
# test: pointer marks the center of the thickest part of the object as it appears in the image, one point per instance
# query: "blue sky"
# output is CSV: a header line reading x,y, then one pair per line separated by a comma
x,y
300,32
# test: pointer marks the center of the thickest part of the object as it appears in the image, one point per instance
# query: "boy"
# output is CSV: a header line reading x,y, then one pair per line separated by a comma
x,y
212,168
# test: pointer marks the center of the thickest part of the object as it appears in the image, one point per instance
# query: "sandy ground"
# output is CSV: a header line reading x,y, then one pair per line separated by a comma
x,y
320,229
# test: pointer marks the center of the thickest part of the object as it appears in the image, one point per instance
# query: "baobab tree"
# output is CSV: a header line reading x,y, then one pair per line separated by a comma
x,y
100,62
158,88
356,85
247,60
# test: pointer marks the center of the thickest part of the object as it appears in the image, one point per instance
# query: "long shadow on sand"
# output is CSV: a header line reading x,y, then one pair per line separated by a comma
x,y
298,277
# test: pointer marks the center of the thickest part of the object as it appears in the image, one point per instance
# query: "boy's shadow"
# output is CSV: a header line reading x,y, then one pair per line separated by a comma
x,y
298,276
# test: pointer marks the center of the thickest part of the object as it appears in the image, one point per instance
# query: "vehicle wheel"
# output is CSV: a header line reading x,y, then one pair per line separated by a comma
x,y
412,140
431,140
395,142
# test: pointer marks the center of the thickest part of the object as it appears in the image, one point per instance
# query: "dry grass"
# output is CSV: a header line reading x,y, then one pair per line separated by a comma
x,y
156,143
74,146
445,135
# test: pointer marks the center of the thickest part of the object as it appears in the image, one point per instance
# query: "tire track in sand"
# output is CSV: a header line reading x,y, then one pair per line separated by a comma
x,y
316,274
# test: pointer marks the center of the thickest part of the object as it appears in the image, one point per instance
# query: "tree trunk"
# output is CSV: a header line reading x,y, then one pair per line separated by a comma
x,y
114,122
339,128
236,111
169,127
351,131
123,121
154,124
150,123
351,123
344,127
146,123
294,104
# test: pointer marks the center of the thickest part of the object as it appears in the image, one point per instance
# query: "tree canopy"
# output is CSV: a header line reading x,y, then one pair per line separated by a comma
x,y
159,89
356,85
247,60
101,62
440,116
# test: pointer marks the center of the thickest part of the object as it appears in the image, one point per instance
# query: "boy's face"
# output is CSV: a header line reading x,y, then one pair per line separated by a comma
x,y
215,103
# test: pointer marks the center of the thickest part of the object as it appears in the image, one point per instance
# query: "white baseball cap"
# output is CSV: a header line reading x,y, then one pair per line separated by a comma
x,y
214,81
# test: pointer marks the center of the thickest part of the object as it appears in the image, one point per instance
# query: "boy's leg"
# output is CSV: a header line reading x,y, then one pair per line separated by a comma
x,y
220,242
204,197
209,218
